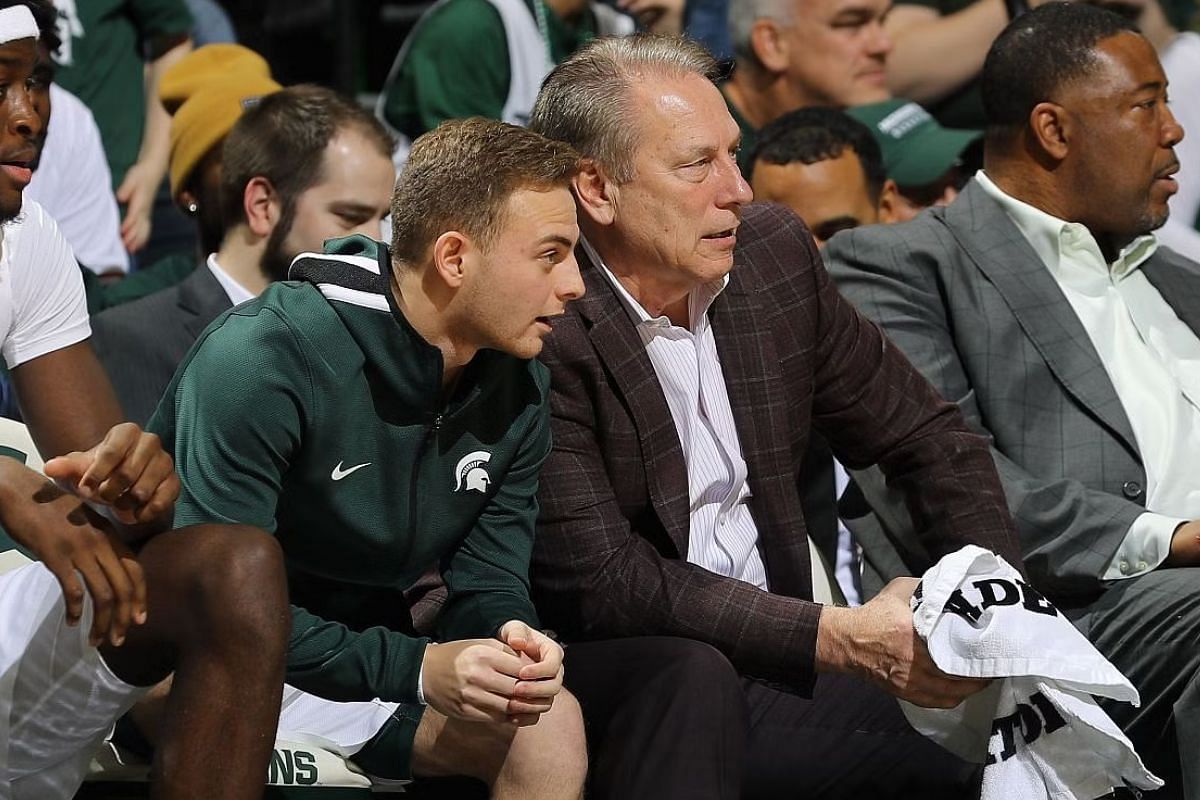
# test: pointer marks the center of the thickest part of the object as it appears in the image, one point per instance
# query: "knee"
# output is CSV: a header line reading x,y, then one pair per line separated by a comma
x,y
238,559
553,751
568,730
237,578
697,670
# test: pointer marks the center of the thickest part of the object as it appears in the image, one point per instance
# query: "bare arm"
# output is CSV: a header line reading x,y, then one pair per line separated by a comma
x,y
66,400
934,55
74,418
70,409
142,180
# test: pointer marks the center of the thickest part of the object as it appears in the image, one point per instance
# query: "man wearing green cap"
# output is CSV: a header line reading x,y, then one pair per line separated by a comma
x,y
823,165
925,163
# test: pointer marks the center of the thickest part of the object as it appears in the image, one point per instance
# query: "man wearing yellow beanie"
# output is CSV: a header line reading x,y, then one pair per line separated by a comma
x,y
205,94
302,165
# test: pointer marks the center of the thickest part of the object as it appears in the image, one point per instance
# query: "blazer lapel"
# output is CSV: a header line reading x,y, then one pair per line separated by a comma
x,y
201,299
1000,251
621,350
1178,281
750,366
753,378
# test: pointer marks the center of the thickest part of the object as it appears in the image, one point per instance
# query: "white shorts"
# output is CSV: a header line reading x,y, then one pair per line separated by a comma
x,y
58,699
341,728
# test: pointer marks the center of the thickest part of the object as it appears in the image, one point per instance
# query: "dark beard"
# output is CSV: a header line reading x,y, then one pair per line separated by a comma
x,y
275,262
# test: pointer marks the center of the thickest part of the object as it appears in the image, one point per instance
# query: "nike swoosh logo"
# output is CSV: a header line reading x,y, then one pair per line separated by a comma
x,y
339,473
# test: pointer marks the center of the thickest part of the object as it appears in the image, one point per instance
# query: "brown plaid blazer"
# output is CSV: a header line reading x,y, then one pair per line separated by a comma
x,y
610,556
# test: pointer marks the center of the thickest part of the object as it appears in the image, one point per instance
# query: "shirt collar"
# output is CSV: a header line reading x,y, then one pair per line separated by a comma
x,y
1052,238
700,299
236,292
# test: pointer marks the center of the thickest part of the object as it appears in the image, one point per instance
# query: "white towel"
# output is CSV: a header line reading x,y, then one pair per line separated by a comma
x,y
1036,726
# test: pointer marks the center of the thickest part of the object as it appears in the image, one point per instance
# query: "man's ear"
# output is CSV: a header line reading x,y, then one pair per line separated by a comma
x,y
595,193
452,254
187,201
889,200
1051,129
769,46
261,205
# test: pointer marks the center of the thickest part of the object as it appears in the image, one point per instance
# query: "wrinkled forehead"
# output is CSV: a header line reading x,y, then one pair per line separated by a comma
x,y
680,115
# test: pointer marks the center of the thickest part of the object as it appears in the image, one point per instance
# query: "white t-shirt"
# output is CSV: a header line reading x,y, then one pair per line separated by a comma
x,y
74,185
42,305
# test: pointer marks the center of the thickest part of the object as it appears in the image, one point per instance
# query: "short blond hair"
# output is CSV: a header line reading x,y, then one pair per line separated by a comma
x,y
460,175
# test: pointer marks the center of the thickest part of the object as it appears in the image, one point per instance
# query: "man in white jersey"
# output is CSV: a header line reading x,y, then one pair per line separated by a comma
x,y
105,609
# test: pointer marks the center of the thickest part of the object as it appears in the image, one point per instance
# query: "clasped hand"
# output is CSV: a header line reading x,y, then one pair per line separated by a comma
x,y
513,678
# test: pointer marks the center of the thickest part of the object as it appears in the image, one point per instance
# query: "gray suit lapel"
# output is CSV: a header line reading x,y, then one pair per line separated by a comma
x,y
201,299
1178,281
992,241
624,356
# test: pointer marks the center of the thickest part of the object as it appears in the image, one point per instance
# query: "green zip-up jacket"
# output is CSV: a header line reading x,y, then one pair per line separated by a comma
x,y
314,412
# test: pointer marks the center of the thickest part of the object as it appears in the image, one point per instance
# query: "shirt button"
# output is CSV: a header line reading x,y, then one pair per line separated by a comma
x,y
1131,489
1124,567
1143,566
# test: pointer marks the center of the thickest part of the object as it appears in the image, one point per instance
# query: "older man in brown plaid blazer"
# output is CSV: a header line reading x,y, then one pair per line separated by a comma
x,y
685,384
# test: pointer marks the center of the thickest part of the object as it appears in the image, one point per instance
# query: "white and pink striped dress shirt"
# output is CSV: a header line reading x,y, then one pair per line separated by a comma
x,y
722,537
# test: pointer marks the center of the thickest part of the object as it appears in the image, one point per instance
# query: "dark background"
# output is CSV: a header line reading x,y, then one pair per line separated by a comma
x,y
345,44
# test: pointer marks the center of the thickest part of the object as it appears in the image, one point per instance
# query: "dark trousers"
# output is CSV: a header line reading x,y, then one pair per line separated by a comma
x,y
850,740
671,718
665,718
1149,628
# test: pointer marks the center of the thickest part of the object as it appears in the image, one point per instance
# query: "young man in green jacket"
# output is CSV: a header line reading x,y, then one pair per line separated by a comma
x,y
381,413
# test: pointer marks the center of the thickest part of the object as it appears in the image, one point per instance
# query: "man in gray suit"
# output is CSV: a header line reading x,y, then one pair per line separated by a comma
x,y
301,166
1041,303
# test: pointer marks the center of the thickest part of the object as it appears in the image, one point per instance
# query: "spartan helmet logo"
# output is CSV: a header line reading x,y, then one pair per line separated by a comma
x,y
470,474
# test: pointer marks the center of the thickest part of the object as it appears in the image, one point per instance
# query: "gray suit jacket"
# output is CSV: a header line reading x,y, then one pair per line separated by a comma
x,y
962,293
141,343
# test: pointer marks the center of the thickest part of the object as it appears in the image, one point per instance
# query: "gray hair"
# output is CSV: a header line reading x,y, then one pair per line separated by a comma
x,y
585,99
742,16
